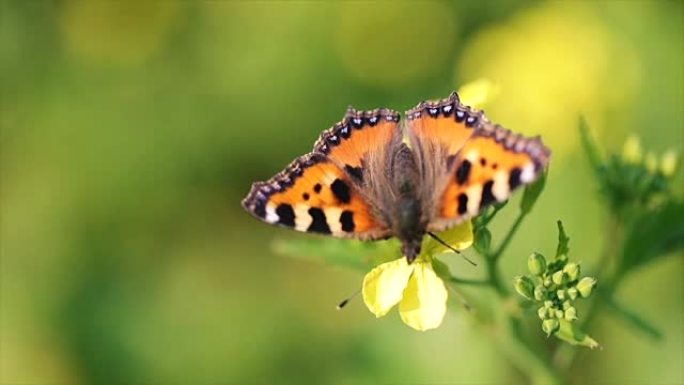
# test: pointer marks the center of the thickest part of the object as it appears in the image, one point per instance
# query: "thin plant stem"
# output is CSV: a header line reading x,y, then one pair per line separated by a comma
x,y
491,216
511,232
518,349
465,281
565,355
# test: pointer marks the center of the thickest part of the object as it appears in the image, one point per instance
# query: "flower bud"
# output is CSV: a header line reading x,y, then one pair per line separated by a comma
x,y
631,150
539,292
548,304
567,305
585,286
572,270
536,263
547,281
668,163
558,277
560,294
550,326
572,293
558,313
524,286
570,314
541,312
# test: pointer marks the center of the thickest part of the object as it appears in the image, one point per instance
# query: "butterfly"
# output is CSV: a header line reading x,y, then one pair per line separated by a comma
x,y
373,176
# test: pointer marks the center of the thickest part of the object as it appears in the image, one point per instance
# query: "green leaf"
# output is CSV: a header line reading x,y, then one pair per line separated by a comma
x,y
563,241
570,333
483,240
355,254
652,235
532,193
441,269
589,146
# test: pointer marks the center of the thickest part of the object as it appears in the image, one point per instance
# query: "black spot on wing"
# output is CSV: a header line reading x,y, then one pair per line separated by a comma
x,y
463,172
345,131
358,122
318,222
341,191
460,115
259,209
514,178
347,221
354,172
305,196
317,188
462,203
487,196
286,215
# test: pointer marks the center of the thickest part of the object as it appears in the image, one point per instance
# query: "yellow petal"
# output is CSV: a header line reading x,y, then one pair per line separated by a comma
x,y
668,163
424,302
631,150
459,237
478,92
384,285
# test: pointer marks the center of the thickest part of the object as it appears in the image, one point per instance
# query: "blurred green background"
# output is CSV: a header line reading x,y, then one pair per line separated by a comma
x,y
132,130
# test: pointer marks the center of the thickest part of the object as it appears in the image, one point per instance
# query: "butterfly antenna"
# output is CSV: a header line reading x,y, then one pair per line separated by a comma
x,y
345,301
438,239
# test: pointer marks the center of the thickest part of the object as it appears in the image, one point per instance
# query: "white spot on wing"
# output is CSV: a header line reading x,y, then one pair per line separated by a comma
x,y
271,216
500,189
473,156
328,178
527,175
474,196
332,216
302,218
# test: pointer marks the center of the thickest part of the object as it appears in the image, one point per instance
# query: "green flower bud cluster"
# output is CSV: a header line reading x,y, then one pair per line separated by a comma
x,y
637,178
554,286
666,164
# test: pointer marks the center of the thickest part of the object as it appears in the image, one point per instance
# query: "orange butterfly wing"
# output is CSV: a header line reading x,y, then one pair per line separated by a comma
x,y
361,133
491,165
472,162
321,192
444,124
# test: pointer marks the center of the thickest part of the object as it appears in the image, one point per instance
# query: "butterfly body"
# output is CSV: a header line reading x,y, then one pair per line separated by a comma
x,y
408,221
372,176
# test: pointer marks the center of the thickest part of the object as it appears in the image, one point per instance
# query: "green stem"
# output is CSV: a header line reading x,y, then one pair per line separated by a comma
x,y
465,281
565,355
519,350
511,232
512,341
493,257
491,216
526,358
495,278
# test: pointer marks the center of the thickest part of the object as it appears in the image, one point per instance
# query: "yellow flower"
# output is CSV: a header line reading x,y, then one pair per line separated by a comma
x,y
668,163
631,150
420,293
478,92
536,55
